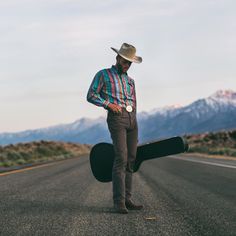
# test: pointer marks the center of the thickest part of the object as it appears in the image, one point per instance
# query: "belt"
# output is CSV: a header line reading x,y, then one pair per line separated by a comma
x,y
124,109
129,109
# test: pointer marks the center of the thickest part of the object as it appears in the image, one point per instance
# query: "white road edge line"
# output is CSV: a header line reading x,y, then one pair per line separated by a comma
x,y
206,162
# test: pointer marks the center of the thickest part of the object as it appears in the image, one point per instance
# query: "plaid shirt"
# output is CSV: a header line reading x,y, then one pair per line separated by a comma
x,y
108,86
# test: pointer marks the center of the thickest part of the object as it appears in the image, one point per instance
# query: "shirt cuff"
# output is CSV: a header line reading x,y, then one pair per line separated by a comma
x,y
106,103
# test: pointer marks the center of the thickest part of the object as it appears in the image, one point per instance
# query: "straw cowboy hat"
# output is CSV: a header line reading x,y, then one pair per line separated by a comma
x,y
128,51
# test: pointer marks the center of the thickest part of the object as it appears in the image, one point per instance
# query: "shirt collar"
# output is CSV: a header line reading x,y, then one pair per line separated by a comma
x,y
116,70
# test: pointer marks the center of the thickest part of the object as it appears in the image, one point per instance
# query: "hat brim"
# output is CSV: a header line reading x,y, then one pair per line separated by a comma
x,y
135,59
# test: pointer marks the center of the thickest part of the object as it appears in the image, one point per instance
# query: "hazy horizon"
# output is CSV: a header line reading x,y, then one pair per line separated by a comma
x,y
50,52
103,115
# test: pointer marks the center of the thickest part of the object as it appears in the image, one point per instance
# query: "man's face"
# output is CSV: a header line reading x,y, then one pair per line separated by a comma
x,y
123,64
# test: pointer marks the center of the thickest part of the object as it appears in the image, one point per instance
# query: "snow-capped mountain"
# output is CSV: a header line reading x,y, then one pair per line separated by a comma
x,y
79,131
214,113
221,101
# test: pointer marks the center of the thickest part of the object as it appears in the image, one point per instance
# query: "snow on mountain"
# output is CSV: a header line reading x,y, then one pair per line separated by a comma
x,y
166,110
222,100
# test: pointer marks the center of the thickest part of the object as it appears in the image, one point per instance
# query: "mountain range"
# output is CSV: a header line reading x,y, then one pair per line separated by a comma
x,y
214,113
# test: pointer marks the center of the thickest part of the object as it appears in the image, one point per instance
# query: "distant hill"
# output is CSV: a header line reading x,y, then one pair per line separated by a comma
x,y
219,143
41,151
214,113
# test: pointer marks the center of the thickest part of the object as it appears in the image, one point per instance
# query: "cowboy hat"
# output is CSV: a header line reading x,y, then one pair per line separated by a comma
x,y
128,51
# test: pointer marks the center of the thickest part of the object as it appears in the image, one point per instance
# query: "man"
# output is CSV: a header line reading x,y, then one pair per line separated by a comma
x,y
114,90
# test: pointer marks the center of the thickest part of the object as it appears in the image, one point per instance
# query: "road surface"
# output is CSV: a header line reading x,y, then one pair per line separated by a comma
x,y
181,196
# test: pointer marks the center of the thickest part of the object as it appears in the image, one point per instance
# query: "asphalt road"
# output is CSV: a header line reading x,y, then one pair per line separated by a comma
x,y
181,197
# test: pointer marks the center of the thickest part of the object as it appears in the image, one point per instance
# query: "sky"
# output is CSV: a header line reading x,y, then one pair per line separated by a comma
x,y
51,50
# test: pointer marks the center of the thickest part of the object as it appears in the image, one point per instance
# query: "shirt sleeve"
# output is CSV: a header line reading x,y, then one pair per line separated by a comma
x,y
94,92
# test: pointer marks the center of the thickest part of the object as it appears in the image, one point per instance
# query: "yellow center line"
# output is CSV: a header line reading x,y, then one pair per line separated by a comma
x,y
25,169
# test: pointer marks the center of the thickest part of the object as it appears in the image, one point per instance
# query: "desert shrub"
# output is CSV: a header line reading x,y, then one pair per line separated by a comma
x,y
202,149
229,151
197,141
233,154
12,156
26,155
21,162
216,152
211,136
61,150
43,151
8,163
206,139
232,135
3,157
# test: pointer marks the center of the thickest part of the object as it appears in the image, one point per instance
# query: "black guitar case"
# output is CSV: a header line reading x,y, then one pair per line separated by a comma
x,y
102,155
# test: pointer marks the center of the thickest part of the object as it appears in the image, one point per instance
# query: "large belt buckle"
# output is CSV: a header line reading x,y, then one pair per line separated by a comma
x,y
129,108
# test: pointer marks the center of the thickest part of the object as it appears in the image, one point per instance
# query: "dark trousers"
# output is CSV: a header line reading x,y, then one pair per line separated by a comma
x,y
124,133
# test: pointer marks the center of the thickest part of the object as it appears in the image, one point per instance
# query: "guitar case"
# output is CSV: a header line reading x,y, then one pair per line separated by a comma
x,y
102,155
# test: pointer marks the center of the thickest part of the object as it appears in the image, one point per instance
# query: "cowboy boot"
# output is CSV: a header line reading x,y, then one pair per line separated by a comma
x,y
130,205
120,208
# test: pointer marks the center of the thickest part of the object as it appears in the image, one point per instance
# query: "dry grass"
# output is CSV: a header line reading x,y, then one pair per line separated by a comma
x,y
219,143
42,151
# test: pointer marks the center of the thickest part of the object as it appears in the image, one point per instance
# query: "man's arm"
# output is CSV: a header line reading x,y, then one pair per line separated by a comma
x,y
95,98
93,95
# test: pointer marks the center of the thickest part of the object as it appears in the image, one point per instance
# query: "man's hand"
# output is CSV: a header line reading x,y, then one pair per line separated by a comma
x,y
114,108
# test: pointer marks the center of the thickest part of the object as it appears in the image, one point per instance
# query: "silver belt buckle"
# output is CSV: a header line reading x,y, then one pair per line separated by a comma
x,y
129,108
